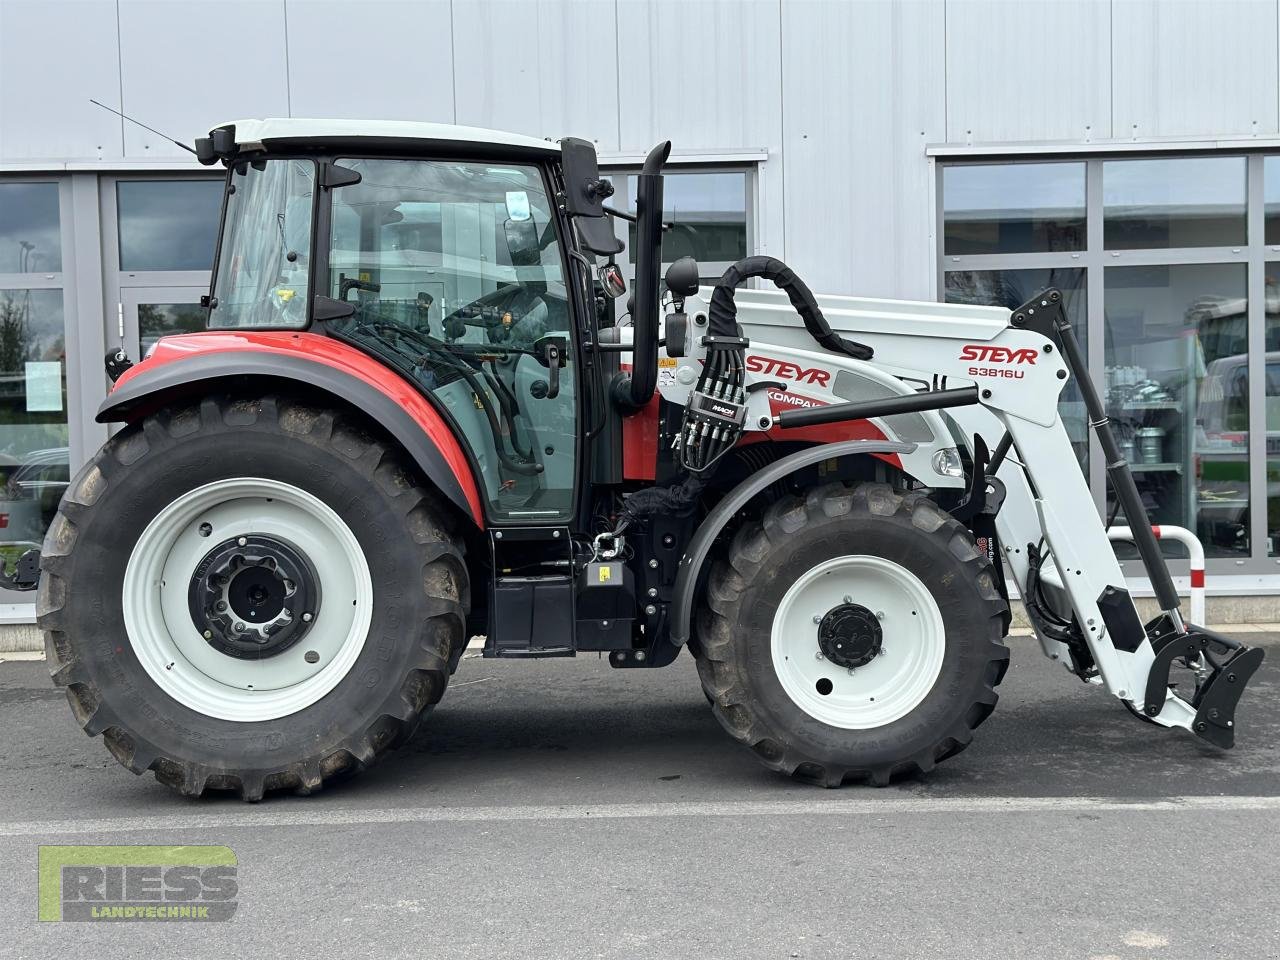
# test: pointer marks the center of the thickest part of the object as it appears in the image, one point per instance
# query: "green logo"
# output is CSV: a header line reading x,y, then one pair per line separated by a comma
x,y
137,883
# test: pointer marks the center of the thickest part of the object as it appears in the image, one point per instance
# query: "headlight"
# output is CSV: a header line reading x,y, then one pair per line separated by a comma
x,y
947,463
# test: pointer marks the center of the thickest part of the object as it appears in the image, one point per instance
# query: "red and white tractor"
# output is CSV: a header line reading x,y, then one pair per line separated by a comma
x,y
417,417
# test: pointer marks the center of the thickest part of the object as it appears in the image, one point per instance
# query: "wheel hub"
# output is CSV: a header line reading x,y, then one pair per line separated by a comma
x,y
850,635
254,596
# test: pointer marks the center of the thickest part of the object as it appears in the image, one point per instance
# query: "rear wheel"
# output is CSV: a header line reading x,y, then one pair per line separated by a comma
x,y
852,635
250,595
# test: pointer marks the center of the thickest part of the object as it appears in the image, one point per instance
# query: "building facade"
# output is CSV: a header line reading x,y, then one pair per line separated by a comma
x,y
1127,151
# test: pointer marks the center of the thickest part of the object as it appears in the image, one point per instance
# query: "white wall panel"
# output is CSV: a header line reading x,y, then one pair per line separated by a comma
x,y
188,64
54,56
1194,68
541,67
1028,70
377,60
864,94
706,75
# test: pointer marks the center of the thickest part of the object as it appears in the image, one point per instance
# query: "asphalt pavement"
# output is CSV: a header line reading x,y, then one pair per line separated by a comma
x,y
563,809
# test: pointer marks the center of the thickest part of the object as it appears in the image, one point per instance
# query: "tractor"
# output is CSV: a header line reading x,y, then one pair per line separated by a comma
x,y
424,410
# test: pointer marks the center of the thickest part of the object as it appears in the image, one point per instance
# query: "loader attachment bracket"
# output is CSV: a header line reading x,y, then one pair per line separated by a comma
x,y
1216,710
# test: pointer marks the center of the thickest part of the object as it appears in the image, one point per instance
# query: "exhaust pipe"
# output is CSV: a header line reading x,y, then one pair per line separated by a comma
x,y
631,392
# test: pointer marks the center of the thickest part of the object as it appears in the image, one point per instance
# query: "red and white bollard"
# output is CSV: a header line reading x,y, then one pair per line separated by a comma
x,y
1194,550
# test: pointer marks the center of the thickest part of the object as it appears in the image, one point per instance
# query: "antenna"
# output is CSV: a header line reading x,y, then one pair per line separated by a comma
x,y
176,143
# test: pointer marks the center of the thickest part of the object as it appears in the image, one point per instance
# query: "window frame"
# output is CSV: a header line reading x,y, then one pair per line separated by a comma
x,y
1095,258
618,173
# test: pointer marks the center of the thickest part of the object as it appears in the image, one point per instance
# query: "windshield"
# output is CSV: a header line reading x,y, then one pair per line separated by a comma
x,y
264,257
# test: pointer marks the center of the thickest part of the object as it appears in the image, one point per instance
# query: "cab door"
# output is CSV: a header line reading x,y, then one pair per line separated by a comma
x,y
457,278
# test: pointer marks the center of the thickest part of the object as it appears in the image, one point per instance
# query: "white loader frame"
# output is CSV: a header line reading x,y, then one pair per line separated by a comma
x,y
1019,375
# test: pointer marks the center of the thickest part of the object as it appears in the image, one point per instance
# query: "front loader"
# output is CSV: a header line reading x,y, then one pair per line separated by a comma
x,y
421,413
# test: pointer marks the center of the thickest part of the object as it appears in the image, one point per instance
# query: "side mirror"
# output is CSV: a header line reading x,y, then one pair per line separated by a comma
x,y
682,277
584,191
522,242
611,279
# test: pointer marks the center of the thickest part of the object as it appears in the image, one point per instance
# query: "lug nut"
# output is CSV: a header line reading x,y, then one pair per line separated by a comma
x,y
208,634
242,541
306,618
816,618
819,655
239,628
848,599
221,606
879,614
311,656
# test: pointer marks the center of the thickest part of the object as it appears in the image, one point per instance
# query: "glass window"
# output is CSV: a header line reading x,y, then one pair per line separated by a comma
x,y
1271,197
1012,288
1013,208
1177,393
156,320
33,417
1176,202
168,224
29,236
708,213
1272,402
263,264
456,277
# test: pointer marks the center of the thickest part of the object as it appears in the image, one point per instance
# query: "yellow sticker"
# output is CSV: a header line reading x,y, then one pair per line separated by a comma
x,y
668,362
604,574
365,276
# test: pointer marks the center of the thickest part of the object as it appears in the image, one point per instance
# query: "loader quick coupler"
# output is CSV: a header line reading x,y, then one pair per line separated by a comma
x,y
253,597
1222,680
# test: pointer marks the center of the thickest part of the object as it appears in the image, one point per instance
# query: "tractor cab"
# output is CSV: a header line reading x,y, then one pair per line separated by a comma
x,y
442,252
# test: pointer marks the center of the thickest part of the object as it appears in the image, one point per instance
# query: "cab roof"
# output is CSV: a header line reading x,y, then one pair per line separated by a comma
x,y
252,133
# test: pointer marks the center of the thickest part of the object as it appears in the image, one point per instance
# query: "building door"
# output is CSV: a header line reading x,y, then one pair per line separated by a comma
x,y
145,314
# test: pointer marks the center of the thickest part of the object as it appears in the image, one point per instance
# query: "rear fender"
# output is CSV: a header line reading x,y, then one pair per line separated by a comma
x,y
695,556
320,363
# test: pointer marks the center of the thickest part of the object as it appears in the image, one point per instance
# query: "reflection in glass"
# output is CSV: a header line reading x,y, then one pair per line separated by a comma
x,y
1012,288
1272,401
1173,202
709,216
1177,394
29,235
1271,199
156,320
168,224
33,417
1013,207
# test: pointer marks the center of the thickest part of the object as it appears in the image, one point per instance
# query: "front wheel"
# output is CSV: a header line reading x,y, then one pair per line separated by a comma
x,y
250,594
854,634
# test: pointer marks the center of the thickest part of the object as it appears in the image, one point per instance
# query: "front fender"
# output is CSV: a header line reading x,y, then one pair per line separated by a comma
x,y
321,363
695,555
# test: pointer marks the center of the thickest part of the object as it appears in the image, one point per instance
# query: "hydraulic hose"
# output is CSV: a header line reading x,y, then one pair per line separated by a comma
x,y
723,312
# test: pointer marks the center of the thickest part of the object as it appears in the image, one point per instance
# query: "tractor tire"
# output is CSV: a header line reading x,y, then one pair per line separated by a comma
x,y
852,635
237,508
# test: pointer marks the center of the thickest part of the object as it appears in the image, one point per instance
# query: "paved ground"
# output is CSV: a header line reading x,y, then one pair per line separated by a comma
x,y
564,810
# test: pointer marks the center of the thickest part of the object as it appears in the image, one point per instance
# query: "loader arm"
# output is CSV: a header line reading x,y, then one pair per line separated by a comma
x,y
998,376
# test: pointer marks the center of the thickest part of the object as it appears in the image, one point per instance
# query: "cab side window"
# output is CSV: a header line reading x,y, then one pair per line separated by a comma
x,y
455,273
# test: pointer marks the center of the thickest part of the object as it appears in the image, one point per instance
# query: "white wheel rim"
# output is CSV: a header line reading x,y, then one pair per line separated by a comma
x,y
179,659
893,683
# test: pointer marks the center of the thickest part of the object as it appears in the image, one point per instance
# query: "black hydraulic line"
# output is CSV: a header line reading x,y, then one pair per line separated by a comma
x,y
1001,451
722,312
1122,482
863,409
